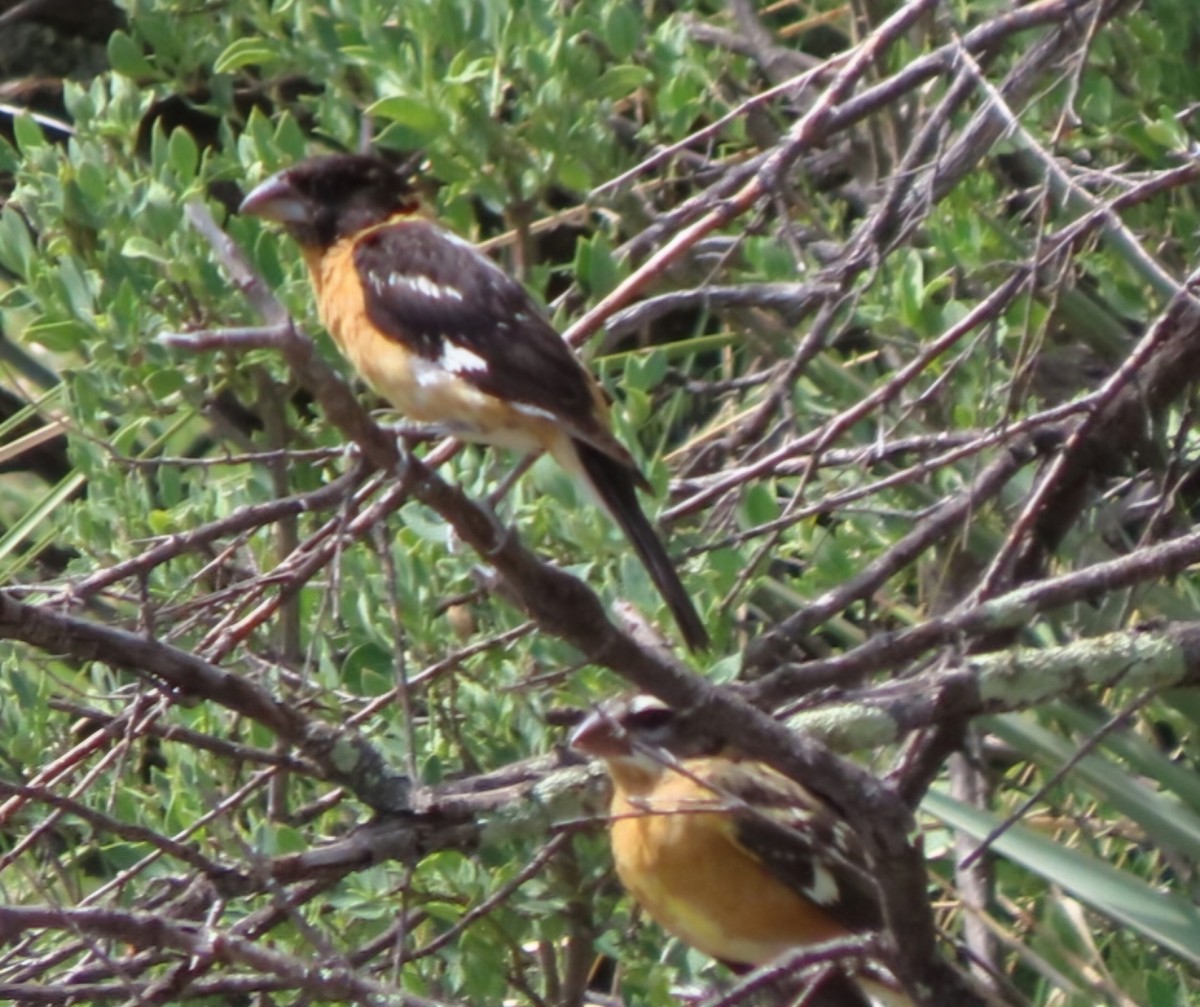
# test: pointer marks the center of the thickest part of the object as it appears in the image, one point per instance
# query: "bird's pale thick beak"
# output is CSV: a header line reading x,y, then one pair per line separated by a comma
x,y
277,199
598,736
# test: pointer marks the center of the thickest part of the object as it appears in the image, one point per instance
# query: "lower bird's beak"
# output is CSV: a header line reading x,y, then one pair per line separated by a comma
x,y
277,199
599,736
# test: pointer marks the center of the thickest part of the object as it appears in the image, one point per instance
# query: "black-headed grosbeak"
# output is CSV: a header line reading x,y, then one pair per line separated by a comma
x,y
729,855
451,340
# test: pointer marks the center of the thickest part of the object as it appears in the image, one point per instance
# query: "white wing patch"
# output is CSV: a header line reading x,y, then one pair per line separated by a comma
x,y
417,284
824,888
456,359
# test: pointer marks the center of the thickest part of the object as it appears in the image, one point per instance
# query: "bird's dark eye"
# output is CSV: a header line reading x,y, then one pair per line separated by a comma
x,y
650,719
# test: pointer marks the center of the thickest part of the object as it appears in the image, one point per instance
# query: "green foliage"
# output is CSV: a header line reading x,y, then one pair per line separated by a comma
x,y
827,432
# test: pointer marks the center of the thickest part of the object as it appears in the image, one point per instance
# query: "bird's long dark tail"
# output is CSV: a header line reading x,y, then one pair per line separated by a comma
x,y
614,484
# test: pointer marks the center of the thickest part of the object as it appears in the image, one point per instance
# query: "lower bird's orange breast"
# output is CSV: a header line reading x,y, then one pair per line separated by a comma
x,y
688,873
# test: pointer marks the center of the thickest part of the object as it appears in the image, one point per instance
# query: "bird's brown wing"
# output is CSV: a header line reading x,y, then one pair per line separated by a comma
x,y
798,838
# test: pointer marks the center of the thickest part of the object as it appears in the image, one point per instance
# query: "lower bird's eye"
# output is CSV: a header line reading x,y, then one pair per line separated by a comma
x,y
650,719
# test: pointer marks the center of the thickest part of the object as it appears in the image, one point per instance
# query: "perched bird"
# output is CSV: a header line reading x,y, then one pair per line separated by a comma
x,y
729,855
452,340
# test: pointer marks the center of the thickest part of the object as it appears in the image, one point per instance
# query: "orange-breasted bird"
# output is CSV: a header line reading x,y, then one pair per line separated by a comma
x,y
732,857
453,341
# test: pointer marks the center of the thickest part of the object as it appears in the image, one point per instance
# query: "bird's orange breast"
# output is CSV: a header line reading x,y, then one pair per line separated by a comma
x,y
687,871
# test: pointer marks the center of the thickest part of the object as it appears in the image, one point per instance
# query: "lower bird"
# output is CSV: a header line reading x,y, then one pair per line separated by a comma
x,y
452,340
729,855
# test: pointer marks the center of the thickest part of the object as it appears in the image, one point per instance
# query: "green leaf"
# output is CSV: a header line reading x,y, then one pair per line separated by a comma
x,y
65,336
912,288
1167,133
444,912
160,522
125,56
469,71
572,173
638,407
759,504
17,251
619,81
258,52
27,694
164,383
289,138
8,156
76,286
28,134
183,154
417,116
622,30
367,670
596,268
643,371
122,856
138,247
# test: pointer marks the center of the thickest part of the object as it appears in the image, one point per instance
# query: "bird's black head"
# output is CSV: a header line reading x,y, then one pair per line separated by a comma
x,y
324,199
